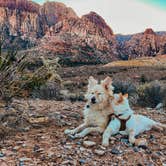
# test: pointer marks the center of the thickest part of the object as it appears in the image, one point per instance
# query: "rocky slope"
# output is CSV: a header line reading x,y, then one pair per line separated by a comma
x,y
143,44
56,28
83,40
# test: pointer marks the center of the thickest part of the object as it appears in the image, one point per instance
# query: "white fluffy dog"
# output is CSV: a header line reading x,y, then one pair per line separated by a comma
x,y
97,109
135,124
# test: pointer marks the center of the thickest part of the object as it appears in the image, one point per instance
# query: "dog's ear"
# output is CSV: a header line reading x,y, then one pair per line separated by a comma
x,y
91,82
126,95
107,83
120,100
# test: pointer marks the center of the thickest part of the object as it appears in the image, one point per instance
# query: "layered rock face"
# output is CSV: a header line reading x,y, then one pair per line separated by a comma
x,y
56,28
25,18
86,40
19,17
147,43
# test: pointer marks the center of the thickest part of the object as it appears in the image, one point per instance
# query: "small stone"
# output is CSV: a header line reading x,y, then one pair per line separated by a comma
x,y
152,138
159,106
27,128
99,152
24,145
103,148
67,146
78,143
21,163
159,153
35,148
148,108
25,159
124,140
113,138
2,104
50,154
82,161
66,162
82,149
71,137
112,142
89,143
2,154
116,151
155,155
19,142
16,148
148,151
141,143
136,149
143,147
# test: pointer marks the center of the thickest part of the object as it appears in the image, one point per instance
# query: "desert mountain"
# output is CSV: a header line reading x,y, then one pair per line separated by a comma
x,y
55,28
143,44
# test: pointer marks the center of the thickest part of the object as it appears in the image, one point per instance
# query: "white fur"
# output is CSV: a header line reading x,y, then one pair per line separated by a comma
x,y
97,115
134,126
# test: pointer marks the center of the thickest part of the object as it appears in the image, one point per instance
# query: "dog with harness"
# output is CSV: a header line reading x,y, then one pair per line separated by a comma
x,y
125,122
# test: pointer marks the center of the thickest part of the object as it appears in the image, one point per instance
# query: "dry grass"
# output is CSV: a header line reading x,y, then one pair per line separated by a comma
x,y
159,61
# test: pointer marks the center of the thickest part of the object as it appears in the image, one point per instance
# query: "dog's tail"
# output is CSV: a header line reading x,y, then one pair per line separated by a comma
x,y
160,126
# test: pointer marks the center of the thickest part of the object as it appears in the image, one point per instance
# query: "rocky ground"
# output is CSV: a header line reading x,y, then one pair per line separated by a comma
x,y
45,143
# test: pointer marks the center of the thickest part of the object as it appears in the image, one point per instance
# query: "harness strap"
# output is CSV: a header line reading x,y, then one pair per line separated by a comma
x,y
122,121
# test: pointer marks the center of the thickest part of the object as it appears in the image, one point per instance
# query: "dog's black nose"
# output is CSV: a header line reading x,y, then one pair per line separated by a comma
x,y
93,100
87,106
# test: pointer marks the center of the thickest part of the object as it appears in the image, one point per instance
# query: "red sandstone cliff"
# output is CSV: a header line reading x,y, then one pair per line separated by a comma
x,y
143,44
56,28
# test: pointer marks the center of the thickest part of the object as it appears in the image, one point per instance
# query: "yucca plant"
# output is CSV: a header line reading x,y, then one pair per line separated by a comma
x,y
17,80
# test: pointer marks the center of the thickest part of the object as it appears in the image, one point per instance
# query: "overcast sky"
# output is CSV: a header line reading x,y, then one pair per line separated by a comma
x,y
124,16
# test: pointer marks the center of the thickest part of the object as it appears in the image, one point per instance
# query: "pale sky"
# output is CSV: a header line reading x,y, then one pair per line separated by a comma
x,y
124,16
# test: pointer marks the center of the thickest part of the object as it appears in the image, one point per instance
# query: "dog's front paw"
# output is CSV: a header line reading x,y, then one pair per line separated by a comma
x,y
123,132
105,143
78,136
141,142
67,131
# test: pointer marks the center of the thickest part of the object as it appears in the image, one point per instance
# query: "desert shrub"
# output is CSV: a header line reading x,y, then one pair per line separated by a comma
x,y
126,87
17,80
143,78
151,94
46,91
68,95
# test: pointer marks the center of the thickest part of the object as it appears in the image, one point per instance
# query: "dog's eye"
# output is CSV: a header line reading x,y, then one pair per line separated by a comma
x,y
99,93
92,93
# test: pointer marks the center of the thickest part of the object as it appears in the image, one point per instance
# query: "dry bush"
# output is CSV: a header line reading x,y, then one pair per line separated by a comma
x,y
17,80
47,91
126,87
151,94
